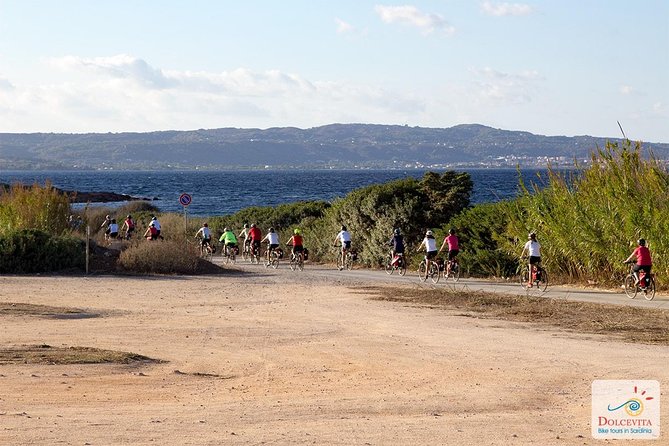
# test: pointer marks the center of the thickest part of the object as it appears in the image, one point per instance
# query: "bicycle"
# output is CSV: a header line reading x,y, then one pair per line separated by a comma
x,y
296,262
344,260
230,254
255,253
433,273
396,263
452,270
273,260
206,250
645,284
246,250
539,278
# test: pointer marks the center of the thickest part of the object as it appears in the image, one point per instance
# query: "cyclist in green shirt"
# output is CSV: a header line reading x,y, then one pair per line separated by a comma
x,y
228,239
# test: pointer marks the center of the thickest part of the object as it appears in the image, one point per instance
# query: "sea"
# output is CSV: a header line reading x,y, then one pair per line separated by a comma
x,y
226,192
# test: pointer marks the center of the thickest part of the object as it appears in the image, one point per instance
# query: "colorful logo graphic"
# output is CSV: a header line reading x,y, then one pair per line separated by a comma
x,y
623,409
633,406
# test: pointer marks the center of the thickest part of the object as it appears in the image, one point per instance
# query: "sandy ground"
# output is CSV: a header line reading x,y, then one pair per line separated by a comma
x,y
297,359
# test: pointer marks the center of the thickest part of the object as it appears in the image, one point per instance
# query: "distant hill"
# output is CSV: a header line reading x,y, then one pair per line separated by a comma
x,y
330,146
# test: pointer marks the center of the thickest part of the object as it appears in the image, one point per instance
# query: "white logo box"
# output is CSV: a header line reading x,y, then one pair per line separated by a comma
x,y
624,409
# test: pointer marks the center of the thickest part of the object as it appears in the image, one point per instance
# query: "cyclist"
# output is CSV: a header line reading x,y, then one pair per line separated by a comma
x,y
272,239
105,224
430,244
156,224
112,229
397,246
345,239
533,249
205,233
151,232
298,244
451,240
228,239
256,236
247,239
129,226
643,260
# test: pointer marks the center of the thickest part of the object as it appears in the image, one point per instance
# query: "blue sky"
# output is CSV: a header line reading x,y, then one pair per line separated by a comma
x,y
553,67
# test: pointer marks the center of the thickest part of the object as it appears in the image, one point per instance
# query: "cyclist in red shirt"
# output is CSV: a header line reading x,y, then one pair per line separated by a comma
x,y
297,243
643,260
256,236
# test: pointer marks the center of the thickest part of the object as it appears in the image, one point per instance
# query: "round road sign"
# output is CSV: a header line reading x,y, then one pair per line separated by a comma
x,y
185,199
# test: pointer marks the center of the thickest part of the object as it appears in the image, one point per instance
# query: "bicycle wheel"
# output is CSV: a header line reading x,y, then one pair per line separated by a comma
x,y
245,253
401,266
434,272
274,260
389,265
649,292
300,263
630,287
340,261
455,272
525,277
421,272
542,281
349,261
294,261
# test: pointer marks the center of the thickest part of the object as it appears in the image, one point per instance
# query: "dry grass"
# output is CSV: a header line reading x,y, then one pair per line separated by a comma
x,y
46,354
630,324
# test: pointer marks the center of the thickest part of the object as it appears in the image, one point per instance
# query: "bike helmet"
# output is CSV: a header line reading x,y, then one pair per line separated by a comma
x,y
253,225
271,229
113,220
532,235
428,232
226,229
154,218
641,242
246,226
205,225
451,231
397,231
107,217
343,228
129,216
296,231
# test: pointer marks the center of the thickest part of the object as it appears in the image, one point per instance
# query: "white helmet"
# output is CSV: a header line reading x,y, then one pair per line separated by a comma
x,y
428,232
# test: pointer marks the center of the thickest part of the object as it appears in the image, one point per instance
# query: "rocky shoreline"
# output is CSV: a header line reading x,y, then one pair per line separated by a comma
x,y
92,197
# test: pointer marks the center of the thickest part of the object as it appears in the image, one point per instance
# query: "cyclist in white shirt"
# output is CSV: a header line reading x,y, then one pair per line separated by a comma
x,y
205,233
113,229
344,238
430,244
156,224
533,249
272,239
247,240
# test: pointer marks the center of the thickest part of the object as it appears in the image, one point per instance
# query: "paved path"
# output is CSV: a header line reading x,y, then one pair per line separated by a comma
x,y
370,276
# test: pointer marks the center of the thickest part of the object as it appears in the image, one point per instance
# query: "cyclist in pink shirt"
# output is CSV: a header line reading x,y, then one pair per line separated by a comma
x,y
643,260
451,240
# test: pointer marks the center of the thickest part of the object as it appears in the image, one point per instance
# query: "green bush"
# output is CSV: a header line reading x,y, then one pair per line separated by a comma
x,y
481,231
371,213
34,207
35,251
160,257
587,224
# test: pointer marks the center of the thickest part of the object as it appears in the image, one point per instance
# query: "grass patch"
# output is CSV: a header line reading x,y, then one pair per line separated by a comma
x,y
630,324
22,309
46,354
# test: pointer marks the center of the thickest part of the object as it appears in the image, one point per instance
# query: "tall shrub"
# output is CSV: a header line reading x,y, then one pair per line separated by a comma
x,y
34,207
587,224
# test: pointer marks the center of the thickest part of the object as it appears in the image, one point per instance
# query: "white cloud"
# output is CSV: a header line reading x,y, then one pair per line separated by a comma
x,y
504,9
410,15
124,93
626,89
505,88
343,27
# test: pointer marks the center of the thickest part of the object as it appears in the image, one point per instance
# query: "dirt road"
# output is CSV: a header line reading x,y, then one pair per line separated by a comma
x,y
287,358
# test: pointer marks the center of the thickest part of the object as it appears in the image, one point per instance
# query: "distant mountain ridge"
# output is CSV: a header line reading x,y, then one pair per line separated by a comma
x,y
329,146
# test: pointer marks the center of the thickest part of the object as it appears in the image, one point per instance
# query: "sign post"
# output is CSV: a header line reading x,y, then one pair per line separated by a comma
x,y
184,200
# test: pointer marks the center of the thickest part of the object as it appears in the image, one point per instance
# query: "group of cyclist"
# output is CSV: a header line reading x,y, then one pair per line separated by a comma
x,y
112,229
253,239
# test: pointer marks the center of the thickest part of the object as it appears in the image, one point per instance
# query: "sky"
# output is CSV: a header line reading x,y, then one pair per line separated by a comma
x,y
550,67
